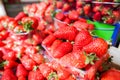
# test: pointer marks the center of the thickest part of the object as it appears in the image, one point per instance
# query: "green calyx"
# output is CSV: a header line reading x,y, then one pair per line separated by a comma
x,y
35,68
28,26
52,76
3,63
90,58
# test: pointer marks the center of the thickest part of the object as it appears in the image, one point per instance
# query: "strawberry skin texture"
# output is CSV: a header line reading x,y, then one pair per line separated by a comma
x,y
83,38
111,74
73,15
21,71
79,25
8,75
97,46
55,44
49,40
67,33
60,16
62,49
74,59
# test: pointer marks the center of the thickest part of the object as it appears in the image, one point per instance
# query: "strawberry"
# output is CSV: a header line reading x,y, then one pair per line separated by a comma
x,y
45,69
9,64
105,10
59,4
67,20
21,78
63,74
109,21
91,27
97,8
68,33
59,16
38,58
8,75
80,11
55,44
20,16
49,40
112,74
116,14
87,9
73,15
66,7
91,72
27,62
35,75
79,3
97,16
77,59
21,71
62,49
80,25
82,39
97,46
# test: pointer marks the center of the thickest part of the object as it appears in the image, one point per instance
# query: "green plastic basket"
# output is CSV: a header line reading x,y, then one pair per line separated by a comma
x,y
103,30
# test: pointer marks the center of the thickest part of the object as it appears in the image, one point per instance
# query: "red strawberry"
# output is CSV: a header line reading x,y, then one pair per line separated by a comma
x,y
21,78
20,16
35,75
27,62
59,4
80,11
68,33
21,71
76,59
9,64
73,15
97,46
110,20
38,58
116,14
97,16
97,8
60,16
91,27
63,73
55,44
8,75
82,39
45,70
49,40
87,9
66,7
67,20
79,3
80,25
112,74
62,49
105,10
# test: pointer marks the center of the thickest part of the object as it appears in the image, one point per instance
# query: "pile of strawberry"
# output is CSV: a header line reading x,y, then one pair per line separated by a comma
x,y
37,46
102,12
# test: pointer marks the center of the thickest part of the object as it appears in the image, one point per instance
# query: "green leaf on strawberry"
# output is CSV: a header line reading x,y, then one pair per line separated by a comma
x,y
53,76
28,26
90,58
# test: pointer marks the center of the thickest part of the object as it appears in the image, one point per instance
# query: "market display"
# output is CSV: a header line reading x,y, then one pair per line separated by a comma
x,y
50,41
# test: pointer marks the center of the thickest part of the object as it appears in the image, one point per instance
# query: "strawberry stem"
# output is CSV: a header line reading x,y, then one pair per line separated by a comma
x,y
90,58
53,76
28,26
